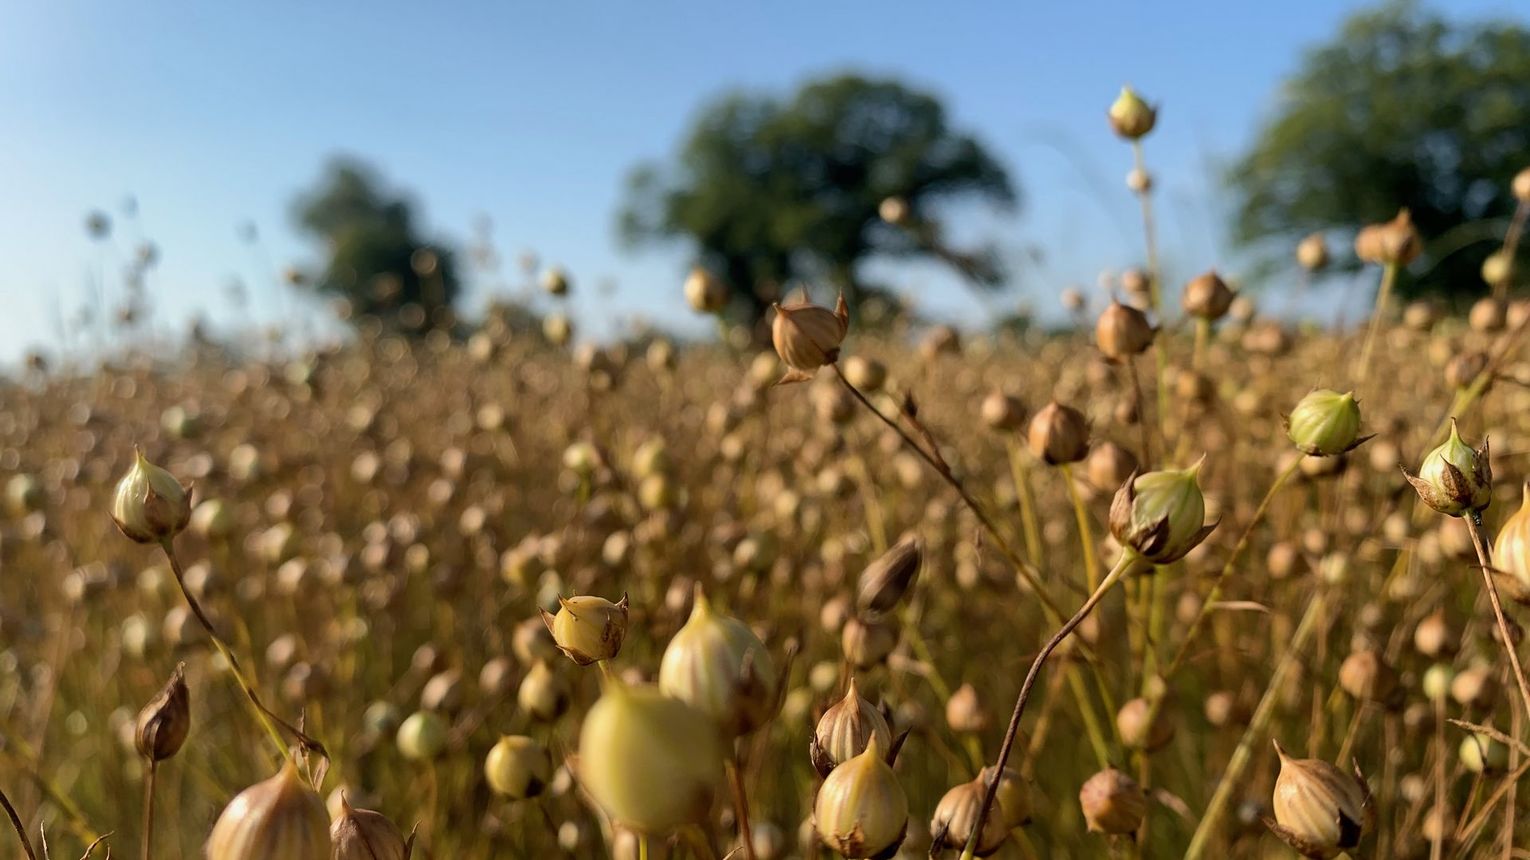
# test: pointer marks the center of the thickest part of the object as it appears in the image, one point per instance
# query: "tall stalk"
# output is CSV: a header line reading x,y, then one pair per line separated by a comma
x,y
1484,555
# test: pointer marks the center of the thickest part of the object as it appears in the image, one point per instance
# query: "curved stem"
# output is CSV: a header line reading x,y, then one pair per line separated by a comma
x,y
741,806
21,830
1021,475
1232,777
268,719
1085,534
1474,527
1383,298
1122,566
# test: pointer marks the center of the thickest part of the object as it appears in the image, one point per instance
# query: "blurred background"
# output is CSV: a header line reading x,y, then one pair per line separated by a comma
x,y
263,171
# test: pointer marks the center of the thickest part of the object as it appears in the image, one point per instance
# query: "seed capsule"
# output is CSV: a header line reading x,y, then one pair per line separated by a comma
x,y
422,736
518,767
652,762
1161,515
555,281
588,628
1123,332
1001,411
846,729
705,292
1319,810
1455,478
1394,242
149,504
807,337
1059,434
1207,296
1312,253
1130,116
362,834
965,712
866,640
861,810
1480,753
1511,552
1132,723
1113,803
1365,676
544,694
884,582
1014,795
278,819
956,816
164,723
1521,186
1325,423
717,665
894,210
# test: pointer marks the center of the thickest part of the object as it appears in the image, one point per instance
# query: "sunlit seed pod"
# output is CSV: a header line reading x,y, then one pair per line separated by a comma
x,y
860,810
518,767
1207,296
1511,552
1325,423
1130,116
363,834
652,762
1112,802
938,341
965,711
1123,332
1455,478
883,583
443,692
1073,300
278,819
705,292
496,678
1139,181
1136,733
1161,515
1521,185
1312,252
1436,682
1433,637
845,730
769,842
866,641
717,665
557,329
807,336
1463,369
587,628
1480,753
1283,559
1474,687
1319,810
1058,434
1014,794
956,816
1394,242
422,736
24,494
149,505
166,720
1108,466
1488,315
894,210
543,693
1224,708
1001,411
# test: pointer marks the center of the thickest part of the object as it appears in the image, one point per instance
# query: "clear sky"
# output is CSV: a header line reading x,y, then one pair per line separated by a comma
x,y
212,114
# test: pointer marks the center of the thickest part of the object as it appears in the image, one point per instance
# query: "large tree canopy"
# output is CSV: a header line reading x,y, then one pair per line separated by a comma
x,y
767,189
1402,109
377,261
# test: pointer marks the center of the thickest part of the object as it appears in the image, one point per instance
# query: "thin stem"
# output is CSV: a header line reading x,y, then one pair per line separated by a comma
x,y
1149,230
1227,566
1383,298
148,809
268,719
1146,454
1122,566
1085,534
1232,777
21,830
642,846
1436,844
1021,473
1202,334
741,807
1484,555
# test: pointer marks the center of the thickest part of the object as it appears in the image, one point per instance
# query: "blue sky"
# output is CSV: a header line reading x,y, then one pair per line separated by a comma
x,y
213,114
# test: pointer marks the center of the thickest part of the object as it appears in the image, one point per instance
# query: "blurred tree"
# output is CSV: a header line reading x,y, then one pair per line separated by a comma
x,y
377,261
1403,108
769,190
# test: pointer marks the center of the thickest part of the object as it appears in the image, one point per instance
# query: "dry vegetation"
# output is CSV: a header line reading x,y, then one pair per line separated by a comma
x,y
375,528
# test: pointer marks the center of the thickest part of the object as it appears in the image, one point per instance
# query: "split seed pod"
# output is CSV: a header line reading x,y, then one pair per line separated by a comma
x,y
164,723
518,767
149,504
1319,810
1113,803
1207,296
1059,434
884,582
846,729
1455,478
1161,515
588,628
278,819
956,817
1123,331
1511,552
807,337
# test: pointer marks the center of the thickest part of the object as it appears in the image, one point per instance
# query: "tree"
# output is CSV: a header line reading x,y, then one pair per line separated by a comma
x,y
1403,108
377,261
767,190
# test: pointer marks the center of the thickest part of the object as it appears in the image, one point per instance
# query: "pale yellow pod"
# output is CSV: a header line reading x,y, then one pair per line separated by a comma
x,y
281,818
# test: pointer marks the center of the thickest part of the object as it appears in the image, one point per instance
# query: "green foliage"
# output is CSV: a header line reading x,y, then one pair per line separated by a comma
x,y
377,261
768,190
1403,108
